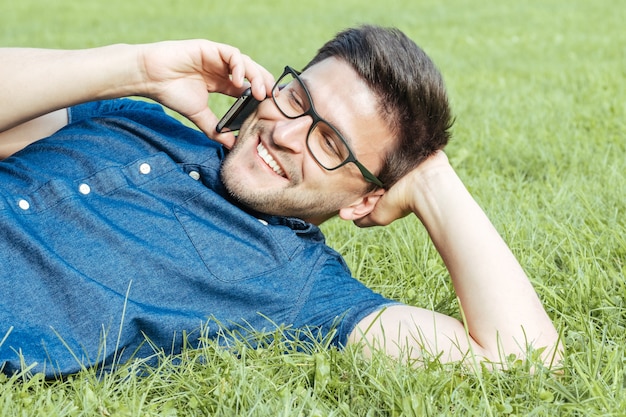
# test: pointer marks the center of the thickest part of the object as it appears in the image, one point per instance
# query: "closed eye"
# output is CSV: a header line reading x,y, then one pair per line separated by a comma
x,y
330,142
330,145
295,101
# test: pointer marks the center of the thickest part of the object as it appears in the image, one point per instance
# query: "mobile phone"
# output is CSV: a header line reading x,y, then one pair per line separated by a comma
x,y
238,112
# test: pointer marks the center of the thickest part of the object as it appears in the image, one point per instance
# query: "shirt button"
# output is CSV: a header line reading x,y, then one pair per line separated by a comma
x,y
145,168
24,205
195,175
84,189
263,222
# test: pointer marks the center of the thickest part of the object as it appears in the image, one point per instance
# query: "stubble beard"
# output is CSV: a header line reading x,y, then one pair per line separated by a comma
x,y
282,201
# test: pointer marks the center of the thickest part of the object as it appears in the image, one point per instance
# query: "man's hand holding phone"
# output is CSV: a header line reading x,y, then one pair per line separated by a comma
x,y
182,74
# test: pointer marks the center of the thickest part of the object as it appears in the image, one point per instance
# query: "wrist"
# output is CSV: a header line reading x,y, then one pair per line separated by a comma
x,y
435,188
122,71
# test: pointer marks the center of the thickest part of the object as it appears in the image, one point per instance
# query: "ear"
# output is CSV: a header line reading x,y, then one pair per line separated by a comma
x,y
361,207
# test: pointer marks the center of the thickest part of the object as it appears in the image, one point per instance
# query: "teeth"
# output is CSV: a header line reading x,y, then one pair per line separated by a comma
x,y
269,160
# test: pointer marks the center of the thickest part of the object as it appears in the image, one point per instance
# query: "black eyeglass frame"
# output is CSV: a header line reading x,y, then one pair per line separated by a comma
x,y
367,175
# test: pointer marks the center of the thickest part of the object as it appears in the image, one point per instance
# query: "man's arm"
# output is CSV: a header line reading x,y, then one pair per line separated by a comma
x,y
502,313
22,135
178,74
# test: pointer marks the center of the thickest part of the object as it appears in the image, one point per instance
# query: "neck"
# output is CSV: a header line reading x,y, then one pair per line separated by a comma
x,y
318,220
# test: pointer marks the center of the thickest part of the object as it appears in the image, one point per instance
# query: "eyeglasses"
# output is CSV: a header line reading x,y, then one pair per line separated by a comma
x,y
325,143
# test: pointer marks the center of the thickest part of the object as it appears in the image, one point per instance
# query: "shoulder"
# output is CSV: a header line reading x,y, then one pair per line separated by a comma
x,y
109,107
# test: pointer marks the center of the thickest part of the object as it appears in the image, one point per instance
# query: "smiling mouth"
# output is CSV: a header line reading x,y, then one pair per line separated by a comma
x,y
269,160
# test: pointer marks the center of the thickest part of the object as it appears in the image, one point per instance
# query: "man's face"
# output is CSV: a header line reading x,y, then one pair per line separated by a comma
x,y
270,168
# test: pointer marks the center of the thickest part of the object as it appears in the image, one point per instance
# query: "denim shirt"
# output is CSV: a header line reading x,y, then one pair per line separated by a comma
x,y
117,230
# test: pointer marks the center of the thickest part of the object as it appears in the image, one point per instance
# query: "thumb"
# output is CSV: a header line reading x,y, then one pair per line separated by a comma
x,y
388,209
374,219
207,123
364,222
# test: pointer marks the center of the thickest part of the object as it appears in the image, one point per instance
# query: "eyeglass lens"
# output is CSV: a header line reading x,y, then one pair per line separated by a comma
x,y
324,142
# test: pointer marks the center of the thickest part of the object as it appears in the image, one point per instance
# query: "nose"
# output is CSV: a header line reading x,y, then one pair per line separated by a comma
x,y
291,133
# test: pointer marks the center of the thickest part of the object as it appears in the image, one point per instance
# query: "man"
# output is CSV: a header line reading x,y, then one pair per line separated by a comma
x,y
121,225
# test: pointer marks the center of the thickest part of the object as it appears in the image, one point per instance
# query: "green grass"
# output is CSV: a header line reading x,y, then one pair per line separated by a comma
x,y
538,88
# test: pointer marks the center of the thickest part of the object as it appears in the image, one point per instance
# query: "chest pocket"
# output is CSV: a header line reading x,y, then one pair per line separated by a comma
x,y
232,244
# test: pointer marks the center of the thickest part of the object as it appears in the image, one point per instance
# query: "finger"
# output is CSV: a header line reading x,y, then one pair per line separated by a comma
x,y
233,91
363,222
261,80
237,71
366,221
225,138
234,59
207,123
370,221
242,67
262,87
382,215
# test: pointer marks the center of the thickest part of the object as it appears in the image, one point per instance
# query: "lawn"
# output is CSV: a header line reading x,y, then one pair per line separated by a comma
x,y
539,93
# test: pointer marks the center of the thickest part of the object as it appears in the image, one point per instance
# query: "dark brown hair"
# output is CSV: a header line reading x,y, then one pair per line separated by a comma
x,y
410,90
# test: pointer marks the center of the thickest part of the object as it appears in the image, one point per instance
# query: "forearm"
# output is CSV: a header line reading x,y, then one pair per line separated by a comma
x,y
500,306
177,74
35,82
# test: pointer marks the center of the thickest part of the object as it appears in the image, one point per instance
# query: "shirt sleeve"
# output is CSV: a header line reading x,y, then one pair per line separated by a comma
x,y
99,108
337,301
